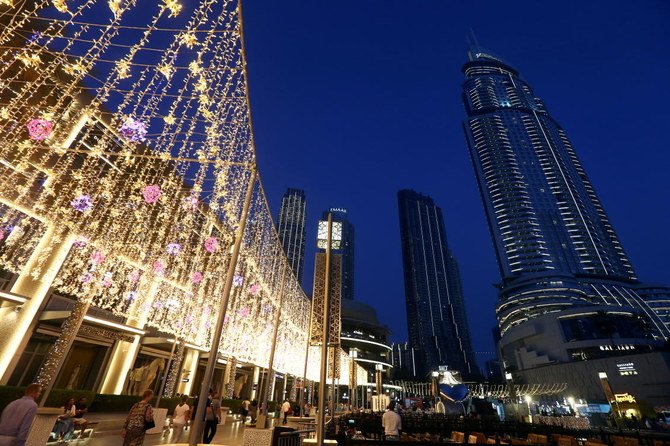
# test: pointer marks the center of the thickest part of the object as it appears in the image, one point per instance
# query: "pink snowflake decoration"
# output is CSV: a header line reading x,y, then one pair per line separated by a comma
x,y
107,279
255,289
134,275
159,266
82,203
2,234
97,257
134,130
173,249
81,241
151,193
244,312
226,319
238,281
39,129
196,277
190,203
211,244
86,277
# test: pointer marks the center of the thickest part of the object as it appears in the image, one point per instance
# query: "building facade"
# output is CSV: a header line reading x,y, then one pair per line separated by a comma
x,y
436,318
292,230
568,292
344,246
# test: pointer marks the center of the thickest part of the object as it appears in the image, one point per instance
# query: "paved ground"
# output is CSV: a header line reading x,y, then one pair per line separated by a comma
x,y
229,434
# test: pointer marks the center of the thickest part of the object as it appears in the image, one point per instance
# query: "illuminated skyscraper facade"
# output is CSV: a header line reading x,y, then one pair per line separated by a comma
x,y
291,229
436,319
556,248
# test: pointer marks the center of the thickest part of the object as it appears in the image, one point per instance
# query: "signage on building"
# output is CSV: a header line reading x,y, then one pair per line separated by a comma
x,y
627,369
624,398
442,368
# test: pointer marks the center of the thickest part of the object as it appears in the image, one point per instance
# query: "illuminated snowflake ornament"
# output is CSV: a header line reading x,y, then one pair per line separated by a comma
x,y
81,241
158,266
173,249
151,193
133,130
255,289
97,257
39,129
211,244
82,203
196,277
238,281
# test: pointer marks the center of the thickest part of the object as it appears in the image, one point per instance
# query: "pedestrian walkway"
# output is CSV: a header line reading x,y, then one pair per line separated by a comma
x,y
229,434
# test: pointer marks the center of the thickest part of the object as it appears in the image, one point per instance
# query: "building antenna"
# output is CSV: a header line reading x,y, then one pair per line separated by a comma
x,y
474,38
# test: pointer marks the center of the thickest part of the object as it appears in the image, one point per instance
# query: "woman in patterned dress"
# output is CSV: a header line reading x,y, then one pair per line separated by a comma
x,y
133,429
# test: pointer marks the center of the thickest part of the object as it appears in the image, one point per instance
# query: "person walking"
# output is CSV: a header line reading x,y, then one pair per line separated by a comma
x,y
392,423
139,420
244,410
285,407
180,415
18,416
212,416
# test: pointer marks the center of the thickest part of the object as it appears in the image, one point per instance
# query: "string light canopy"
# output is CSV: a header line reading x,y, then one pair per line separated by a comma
x,y
125,126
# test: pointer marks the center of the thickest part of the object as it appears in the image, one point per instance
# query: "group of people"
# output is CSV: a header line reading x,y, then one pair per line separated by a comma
x,y
71,418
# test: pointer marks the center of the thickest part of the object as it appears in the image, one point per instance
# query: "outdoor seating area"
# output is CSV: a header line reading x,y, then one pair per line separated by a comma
x,y
365,429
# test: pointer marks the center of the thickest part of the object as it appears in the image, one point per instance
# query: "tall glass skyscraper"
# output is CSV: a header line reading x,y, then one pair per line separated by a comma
x,y
555,245
436,319
291,229
346,248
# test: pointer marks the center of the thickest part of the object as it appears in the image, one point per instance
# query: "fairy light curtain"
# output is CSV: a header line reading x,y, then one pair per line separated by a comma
x,y
125,125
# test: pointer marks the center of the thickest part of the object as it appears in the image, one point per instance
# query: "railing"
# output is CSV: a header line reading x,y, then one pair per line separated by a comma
x,y
293,438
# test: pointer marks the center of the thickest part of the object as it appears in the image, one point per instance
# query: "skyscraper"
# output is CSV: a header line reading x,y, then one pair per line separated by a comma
x,y
291,229
438,327
557,251
345,246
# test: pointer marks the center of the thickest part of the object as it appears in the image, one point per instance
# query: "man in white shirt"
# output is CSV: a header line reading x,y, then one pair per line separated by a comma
x,y
392,423
284,411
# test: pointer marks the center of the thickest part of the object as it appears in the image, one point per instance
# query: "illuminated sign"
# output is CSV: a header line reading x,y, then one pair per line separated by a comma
x,y
624,398
617,347
627,369
322,235
342,210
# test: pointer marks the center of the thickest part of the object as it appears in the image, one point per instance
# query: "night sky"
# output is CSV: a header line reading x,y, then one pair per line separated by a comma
x,y
354,100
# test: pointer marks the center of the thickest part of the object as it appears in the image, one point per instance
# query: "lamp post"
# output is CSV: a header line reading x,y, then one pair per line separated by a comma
x,y
325,336
199,422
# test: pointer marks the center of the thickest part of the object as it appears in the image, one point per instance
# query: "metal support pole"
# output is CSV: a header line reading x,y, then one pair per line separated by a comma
x,y
275,335
323,377
304,372
198,422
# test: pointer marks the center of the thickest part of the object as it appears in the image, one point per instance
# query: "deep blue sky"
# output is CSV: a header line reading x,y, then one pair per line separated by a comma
x,y
354,100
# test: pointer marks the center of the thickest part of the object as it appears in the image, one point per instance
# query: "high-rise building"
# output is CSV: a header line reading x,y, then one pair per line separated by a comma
x,y
291,229
568,288
344,246
438,327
